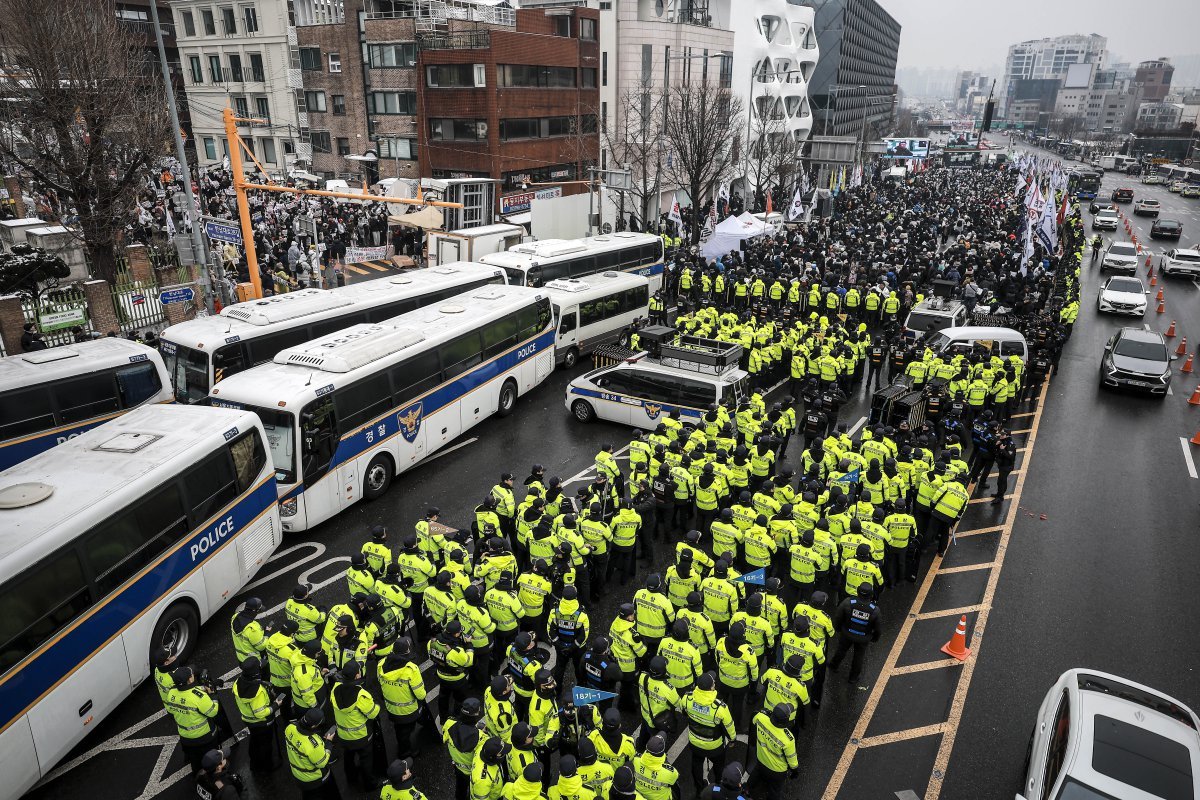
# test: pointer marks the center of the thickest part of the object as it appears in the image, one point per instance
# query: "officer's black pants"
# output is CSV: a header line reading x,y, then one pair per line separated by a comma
x,y
701,758
563,657
704,519
766,784
404,728
450,692
481,672
264,750
1002,482
736,700
663,516
462,785
622,561
324,789
599,577
682,516
896,565
874,373
856,661
940,526
358,760
983,465
817,689
627,697
194,749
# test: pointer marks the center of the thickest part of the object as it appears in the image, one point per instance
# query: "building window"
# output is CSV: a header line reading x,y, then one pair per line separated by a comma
x,y
228,22
189,24
544,127
587,78
604,115
335,62
235,67
249,145
315,101
262,105
310,58
726,71
214,68
241,108
256,67
339,105
392,103
647,62
392,54
392,147
587,29
529,76
449,76
197,70
320,141
210,148
251,17
268,151
343,146
519,129
562,25
210,24
457,129
604,68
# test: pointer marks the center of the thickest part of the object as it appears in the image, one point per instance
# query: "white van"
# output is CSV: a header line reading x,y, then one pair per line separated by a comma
x,y
641,390
1003,342
596,310
936,314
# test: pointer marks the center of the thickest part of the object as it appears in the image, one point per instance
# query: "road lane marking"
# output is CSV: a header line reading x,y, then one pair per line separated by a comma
x,y
318,551
925,667
978,531
965,568
447,451
987,498
1187,456
904,735
857,425
951,612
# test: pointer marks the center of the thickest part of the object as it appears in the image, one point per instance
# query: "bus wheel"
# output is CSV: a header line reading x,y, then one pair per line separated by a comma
x,y
177,630
508,398
378,477
624,340
571,358
583,411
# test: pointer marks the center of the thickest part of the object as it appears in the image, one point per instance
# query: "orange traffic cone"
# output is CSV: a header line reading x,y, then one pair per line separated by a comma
x,y
1195,439
1182,347
1170,334
1159,298
1148,262
1187,366
1162,308
1153,279
1194,400
957,646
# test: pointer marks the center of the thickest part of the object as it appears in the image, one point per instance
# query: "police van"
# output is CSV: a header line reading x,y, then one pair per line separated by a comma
x,y
935,314
599,309
684,373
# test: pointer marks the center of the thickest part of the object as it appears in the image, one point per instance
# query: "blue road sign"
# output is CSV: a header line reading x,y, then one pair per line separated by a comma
x,y
184,294
223,232
582,697
757,577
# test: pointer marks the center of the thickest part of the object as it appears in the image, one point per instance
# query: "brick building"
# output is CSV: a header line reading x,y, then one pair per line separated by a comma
x,y
453,89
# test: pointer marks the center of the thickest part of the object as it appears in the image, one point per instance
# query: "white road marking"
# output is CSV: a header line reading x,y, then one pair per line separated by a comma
x,y
318,551
1169,392
1187,456
450,450
589,472
857,425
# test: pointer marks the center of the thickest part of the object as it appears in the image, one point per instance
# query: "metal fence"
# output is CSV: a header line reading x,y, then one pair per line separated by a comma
x,y
69,300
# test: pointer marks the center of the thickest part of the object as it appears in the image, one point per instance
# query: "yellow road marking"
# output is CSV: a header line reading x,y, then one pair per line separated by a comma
x,y
353,268
965,568
951,612
987,498
977,531
374,266
1022,430
926,666
949,728
1023,414
903,736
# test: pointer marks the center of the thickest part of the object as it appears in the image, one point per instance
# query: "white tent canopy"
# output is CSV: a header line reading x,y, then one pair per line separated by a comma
x,y
730,233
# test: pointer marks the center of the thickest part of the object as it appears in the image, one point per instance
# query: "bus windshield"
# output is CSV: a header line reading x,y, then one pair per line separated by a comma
x,y
188,369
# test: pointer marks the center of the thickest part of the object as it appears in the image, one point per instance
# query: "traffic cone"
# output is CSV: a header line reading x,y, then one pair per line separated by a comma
x,y
1195,439
1160,295
957,646
1187,366
1162,309
1194,400
1153,278
1170,334
1182,347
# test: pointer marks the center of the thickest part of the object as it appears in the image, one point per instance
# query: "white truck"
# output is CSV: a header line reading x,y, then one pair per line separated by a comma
x,y
468,244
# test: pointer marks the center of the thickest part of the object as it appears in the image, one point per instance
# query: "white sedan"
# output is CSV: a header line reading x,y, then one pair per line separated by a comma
x,y
1101,737
1122,294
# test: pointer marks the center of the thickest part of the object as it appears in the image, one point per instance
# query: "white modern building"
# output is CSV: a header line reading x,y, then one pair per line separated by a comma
x,y
1049,59
242,54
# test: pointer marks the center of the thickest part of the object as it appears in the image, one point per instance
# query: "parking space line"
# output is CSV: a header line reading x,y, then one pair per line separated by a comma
x,y
952,612
964,568
1022,414
926,666
1187,456
1022,430
857,425
903,736
988,498
977,531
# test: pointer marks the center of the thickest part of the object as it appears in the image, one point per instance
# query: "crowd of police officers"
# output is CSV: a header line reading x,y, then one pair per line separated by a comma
x,y
774,576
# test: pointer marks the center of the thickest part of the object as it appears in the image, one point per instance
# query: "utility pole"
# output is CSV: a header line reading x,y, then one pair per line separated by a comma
x,y
239,188
199,257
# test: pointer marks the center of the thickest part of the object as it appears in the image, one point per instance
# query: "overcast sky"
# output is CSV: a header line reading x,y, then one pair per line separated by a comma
x,y
949,33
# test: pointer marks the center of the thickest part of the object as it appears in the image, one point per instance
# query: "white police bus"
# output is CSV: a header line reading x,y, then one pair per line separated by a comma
x,y
346,413
49,396
596,310
200,352
120,540
538,263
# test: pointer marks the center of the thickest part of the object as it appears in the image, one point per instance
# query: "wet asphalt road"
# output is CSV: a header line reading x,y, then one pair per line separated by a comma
x,y
1086,586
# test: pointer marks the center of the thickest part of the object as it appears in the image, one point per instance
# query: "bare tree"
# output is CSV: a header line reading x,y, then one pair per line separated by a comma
x,y
634,138
86,116
700,134
772,155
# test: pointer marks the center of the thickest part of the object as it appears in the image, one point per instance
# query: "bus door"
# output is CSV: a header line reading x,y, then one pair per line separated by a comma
x,y
568,330
319,445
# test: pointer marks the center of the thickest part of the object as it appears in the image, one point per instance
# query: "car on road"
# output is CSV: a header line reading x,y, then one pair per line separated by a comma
x,y
1122,195
1191,190
1136,358
1178,261
1122,294
1120,257
1166,229
1176,186
1106,220
1099,205
1151,180
1146,207
1098,736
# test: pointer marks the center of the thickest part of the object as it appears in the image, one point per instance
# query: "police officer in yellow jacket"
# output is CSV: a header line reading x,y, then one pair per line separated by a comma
x,y
354,714
772,750
948,506
309,755
710,729
403,689
654,778
196,712
256,704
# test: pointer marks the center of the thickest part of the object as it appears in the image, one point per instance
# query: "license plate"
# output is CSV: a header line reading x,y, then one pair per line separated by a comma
x,y
1144,384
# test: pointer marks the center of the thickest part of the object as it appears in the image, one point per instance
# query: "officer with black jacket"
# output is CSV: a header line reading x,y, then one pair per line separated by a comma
x,y
877,358
215,781
857,619
731,787
814,424
1005,453
599,670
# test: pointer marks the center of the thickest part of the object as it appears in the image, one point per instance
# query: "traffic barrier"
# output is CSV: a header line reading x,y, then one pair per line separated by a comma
x,y
1195,439
957,646
1194,400
1187,366
1182,347
1170,334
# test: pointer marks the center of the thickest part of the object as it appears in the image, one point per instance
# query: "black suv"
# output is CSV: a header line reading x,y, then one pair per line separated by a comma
x,y
1122,195
1166,229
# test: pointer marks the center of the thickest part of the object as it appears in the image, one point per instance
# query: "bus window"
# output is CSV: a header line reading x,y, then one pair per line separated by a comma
x,y
229,359
567,325
86,397
416,376
460,355
499,336
120,547
25,411
535,277
363,401
248,459
210,486
39,604
137,383
696,394
319,432
582,267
